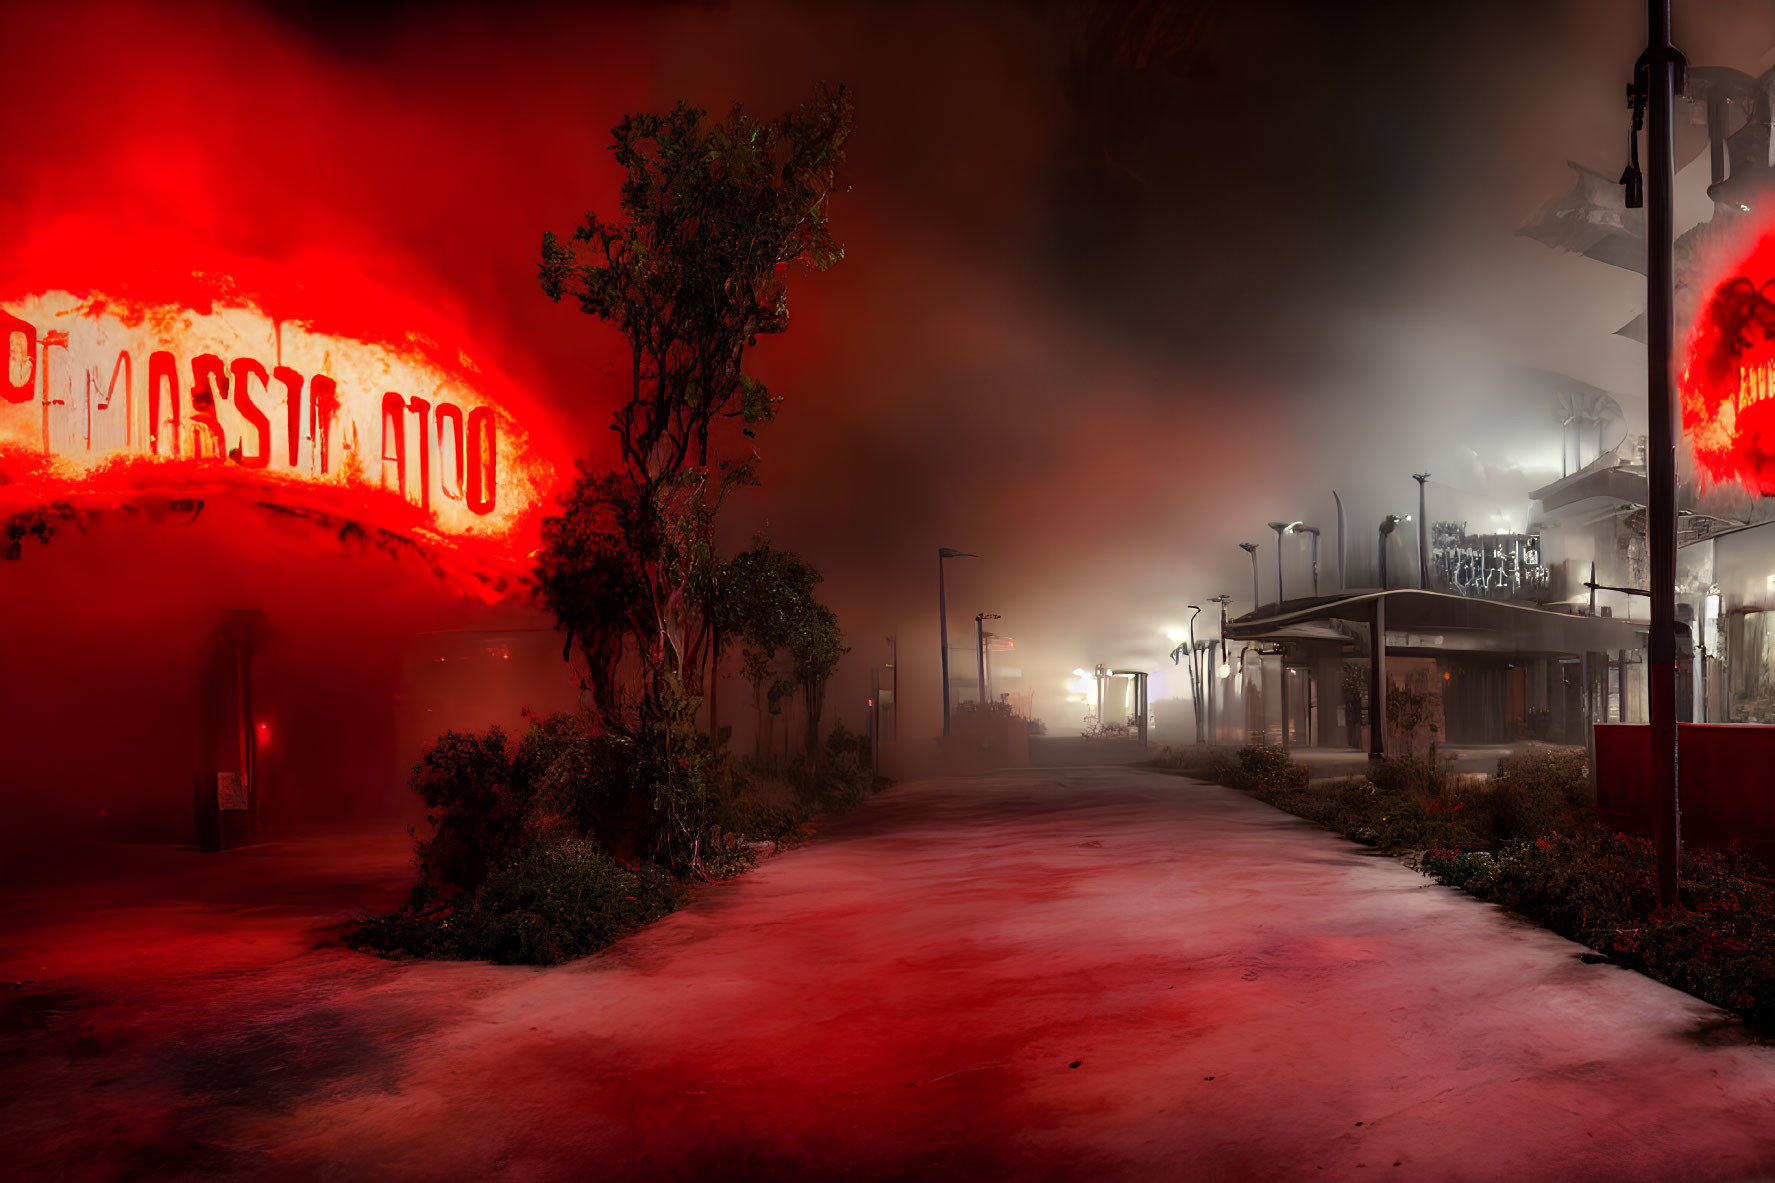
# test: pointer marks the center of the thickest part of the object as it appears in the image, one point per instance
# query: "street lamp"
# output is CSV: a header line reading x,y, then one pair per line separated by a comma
x,y
1299,528
894,682
1423,533
945,552
1195,671
1280,528
1215,671
1341,585
1250,548
1388,525
980,619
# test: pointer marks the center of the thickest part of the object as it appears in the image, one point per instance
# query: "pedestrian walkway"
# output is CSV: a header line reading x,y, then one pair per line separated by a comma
x,y
1049,974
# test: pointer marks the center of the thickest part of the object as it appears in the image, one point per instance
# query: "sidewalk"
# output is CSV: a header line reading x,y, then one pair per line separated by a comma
x,y
1052,974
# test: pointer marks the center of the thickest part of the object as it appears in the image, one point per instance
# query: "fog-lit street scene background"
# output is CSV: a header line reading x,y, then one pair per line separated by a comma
x,y
1063,589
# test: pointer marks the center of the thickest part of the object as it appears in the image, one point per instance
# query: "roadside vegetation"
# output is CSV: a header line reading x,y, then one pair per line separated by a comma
x,y
1527,838
591,824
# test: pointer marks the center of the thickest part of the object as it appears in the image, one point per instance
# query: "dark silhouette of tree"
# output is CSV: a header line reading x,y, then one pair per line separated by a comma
x,y
713,214
789,640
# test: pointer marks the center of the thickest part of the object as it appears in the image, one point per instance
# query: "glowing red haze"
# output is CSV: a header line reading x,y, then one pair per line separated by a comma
x,y
1728,414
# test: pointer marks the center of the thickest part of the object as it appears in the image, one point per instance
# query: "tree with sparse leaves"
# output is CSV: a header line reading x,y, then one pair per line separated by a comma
x,y
713,216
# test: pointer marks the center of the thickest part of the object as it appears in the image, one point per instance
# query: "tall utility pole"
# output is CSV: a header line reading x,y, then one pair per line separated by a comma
x,y
1658,77
1250,548
1423,533
944,552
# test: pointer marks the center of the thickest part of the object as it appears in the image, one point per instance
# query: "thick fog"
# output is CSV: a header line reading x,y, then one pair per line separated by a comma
x,y
1122,282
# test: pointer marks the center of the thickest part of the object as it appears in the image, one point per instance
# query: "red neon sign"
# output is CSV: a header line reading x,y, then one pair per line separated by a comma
x,y
1728,413
162,399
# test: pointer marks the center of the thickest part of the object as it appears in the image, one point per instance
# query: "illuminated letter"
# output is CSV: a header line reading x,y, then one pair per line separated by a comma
x,y
243,368
323,405
394,426
483,460
25,391
209,384
452,414
292,406
162,369
422,409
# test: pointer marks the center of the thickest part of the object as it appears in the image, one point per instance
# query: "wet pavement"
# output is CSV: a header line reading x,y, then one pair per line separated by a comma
x,y
1054,973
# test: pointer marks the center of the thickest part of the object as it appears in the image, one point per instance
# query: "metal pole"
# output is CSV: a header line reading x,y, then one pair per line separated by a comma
x,y
1195,673
1341,585
1377,681
894,685
1250,548
1213,690
980,653
980,619
944,552
943,636
1280,528
1423,533
1661,64
874,719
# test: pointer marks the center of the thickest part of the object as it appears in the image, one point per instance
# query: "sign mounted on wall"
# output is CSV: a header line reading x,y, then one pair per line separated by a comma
x,y
1728,414
95,394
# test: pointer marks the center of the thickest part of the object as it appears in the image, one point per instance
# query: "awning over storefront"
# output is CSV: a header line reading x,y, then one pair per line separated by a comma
x,y
1416,619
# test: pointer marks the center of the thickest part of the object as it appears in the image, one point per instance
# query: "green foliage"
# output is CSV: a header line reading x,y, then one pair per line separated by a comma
x,y
553,902
1540,792
691,271
1268,769
694,268
561,901
1585,885
1600,887
791,640
479,809
1584,882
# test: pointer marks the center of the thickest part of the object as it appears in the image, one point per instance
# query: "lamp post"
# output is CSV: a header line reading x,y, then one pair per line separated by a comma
x,y
1300,528
980,619
1280,528
1653,91
1223,600
1195,671
945,552
1341,584
1388,525
1250,548
1423,533
894,683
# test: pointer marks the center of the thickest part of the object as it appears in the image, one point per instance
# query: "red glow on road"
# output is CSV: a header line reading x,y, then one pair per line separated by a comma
x,y
1725,387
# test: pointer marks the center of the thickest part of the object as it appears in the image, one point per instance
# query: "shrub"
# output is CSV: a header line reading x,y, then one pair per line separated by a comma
x,y
1584,886
1393,819
562,901
478,815
1464,869
556,901
1268,769
1538,793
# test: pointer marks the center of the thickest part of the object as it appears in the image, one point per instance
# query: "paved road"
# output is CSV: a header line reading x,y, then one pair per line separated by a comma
x,y
1081,973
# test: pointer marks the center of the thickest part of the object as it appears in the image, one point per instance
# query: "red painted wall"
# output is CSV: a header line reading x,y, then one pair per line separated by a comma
x,y
1726,783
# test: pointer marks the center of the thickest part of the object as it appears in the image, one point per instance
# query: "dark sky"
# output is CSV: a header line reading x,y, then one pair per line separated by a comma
x,y
1124,280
